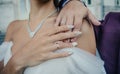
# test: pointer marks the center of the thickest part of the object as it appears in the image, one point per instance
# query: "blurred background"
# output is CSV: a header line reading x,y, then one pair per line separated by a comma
x,y
15,9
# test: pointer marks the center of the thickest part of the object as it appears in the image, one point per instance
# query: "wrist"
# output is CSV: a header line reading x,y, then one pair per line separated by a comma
x,y
16,64
12,68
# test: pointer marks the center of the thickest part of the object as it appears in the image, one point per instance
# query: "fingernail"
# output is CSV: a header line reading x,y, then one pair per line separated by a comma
x,y
70,53
77,33
99,23
74,44
70,26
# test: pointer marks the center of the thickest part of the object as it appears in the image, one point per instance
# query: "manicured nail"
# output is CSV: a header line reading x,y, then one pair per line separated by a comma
x,y
74,44
70,53
70,26
77,33
99,23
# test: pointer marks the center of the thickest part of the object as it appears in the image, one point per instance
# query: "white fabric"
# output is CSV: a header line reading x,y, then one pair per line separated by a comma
x,y
81,62
5,49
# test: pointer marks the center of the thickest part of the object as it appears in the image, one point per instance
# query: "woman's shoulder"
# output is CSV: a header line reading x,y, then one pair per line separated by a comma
x,y
16,23
12,27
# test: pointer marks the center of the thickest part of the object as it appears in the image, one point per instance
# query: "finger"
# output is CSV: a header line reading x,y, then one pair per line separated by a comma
x,y
60,55
58,20
93,19
59,45
63,21
66,35
59,29
69,22
78,22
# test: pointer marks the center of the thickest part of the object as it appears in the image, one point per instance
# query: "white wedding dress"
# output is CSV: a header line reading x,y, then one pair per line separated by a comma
x,y
80,62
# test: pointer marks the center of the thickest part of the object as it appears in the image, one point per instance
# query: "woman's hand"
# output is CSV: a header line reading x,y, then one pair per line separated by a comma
x,y
73,13
41,48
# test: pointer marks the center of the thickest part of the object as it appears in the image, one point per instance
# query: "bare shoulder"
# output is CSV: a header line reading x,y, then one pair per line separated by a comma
x,y
87,40
12,27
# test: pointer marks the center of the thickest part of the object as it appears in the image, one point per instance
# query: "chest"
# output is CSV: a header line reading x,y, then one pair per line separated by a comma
x,y
20,39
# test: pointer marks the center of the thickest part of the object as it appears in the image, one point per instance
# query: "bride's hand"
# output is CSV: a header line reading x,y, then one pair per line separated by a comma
x,y
73,13
41,48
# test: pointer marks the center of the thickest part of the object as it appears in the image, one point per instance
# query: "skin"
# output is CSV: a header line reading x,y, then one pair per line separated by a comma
x,y
42,45
73,14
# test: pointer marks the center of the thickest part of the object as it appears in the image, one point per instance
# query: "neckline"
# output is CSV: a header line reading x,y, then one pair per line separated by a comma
x,y
32,33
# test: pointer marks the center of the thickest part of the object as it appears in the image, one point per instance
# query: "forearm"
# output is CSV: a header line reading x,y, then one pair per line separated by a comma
x,y
18,62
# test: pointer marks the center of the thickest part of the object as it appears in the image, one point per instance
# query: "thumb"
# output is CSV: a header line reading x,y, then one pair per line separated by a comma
x,y
93,19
